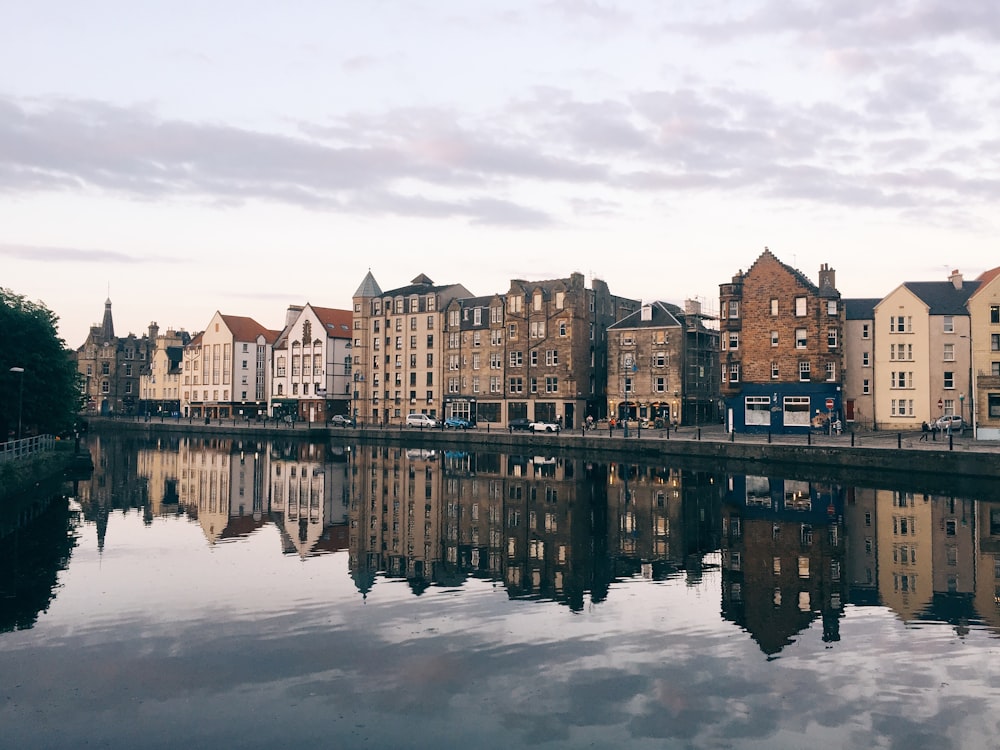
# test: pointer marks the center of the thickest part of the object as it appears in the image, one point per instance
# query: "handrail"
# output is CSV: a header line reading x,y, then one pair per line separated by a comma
x,y
14,450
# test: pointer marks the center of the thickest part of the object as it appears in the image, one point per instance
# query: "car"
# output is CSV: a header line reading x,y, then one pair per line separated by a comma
x,y
952,422
521,423
545,426
421,420
341,421
457,423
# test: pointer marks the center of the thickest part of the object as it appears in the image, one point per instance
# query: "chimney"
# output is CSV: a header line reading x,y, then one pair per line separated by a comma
x,y
292,314
956,279
827,278
154,331
692,307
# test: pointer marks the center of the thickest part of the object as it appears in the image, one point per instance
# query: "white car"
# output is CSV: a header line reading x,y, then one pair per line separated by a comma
x,y
952,422
545,426
421,420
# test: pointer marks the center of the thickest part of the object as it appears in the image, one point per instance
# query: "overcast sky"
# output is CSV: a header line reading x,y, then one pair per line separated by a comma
x,y
244,156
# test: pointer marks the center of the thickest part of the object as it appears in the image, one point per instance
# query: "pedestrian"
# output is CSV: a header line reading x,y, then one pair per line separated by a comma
x,y
924,431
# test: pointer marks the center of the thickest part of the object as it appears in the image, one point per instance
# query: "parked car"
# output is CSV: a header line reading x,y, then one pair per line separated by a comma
x,y
545,427
521,423
950,421
457,423
341,421
421,420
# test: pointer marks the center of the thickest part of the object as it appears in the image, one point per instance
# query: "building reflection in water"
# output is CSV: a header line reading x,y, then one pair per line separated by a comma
x,y
792,552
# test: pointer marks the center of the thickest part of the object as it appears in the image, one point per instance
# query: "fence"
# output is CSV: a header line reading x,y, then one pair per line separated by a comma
x,y
14,450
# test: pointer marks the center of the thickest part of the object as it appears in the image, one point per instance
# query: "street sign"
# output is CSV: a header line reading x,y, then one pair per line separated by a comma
x,y
829,404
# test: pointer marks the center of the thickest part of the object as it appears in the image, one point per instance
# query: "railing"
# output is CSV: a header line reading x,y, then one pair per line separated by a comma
x,y
14,450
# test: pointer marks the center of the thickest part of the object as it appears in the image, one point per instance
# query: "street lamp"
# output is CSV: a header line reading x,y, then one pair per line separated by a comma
x,y
20,398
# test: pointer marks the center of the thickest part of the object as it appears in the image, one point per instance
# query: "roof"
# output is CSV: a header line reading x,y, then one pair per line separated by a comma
x,y
985,278
862,308
369,287
663,315
941,297
248,329
336,322
796,273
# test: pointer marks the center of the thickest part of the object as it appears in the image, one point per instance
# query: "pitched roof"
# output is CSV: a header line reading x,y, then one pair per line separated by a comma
x,y
941,297
369,287
663,315
796,273
336,322
985,278
248,329
862,308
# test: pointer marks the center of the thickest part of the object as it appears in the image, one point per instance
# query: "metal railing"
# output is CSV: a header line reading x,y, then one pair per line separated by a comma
x,y
14,450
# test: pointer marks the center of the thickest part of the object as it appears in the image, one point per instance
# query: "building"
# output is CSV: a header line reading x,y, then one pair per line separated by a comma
x,y
663,365
555,367
112,366
984,395
226,373
397,348
859,370
781,348
474,359
922,352
311,364
160,387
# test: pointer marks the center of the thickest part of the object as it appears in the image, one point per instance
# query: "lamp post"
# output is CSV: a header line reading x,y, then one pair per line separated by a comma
x,y
20,398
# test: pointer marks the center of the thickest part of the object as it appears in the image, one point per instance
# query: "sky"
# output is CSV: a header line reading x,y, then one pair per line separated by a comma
x,y
186,157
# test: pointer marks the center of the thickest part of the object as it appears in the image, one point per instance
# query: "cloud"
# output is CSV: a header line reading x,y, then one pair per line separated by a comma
x,y
42,254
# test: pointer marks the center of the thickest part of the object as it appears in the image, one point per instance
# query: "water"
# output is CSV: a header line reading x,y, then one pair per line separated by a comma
x,y
197,594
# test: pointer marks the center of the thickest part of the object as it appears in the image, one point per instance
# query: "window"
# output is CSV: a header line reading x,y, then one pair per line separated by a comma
x,y
831,338
866,386
774,307
993,405
796,410
949,352
994,314
800,307
551,385
900,324
758,410
659,384
804,371
512,331
948,321
533,358
995,369
866,331
734,340
533,385
831,307
516,385
901,379
800,338
734,309
774,371
866,359
774,338
516,359
562,328
949,379
831,372
949,406
734,372
995,342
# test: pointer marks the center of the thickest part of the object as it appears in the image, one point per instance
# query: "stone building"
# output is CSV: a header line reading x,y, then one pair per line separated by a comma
x,y
663,365
781,348
859,361
397,348
160,386
111,367
475,343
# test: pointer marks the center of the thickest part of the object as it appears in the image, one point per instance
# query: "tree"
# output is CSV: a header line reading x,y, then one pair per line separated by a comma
x,y
51,395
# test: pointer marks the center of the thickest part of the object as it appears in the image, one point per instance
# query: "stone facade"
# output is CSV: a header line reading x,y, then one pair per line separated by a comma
x,y
984,314
111,367
663,366
160,387
781,348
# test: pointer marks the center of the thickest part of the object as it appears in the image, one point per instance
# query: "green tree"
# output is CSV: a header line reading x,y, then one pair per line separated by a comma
x,y
47,394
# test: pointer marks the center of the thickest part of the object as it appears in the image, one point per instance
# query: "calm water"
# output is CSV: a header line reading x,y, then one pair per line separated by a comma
x,y
209,593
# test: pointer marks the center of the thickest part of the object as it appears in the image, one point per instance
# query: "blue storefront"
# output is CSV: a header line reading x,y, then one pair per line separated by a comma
x,y
785,408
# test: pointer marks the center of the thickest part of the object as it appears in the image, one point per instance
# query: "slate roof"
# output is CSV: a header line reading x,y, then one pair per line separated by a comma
x,y
369,287
941,297
861,308
799,276
664,315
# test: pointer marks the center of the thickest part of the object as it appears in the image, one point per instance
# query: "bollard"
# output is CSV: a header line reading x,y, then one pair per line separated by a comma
x,y
768,436
668,429
699,433
852,438
809,438
732,436
951,444
899,439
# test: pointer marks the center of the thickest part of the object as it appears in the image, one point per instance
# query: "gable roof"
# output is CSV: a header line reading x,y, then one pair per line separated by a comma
x,y
796,274
248,329
984,280
336,322
664,315
862,308
941,297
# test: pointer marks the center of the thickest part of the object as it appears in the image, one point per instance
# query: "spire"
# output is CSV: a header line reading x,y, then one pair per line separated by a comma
x,y
369,287
108,326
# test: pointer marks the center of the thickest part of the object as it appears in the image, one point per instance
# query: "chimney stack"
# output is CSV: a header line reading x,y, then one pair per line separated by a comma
x,y
827,278
956,279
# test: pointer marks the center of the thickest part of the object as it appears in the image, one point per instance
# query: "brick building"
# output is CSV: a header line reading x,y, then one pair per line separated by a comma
x,y
781,348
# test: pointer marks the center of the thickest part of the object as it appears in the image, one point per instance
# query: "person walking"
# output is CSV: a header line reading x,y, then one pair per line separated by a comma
x,y
924,431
